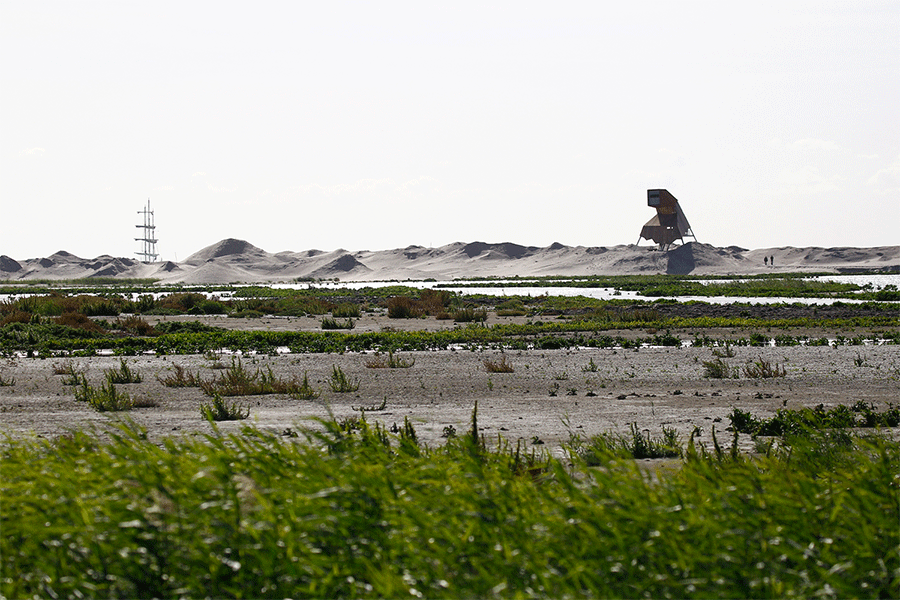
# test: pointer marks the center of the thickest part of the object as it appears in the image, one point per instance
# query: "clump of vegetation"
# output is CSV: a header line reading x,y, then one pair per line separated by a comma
x,y
639,445
340,383
330,323
123,374
7,381
180,377
501,365
718,369
73,375
469,314
380,361
135,325
403,307
348,310
763,369
305,391
237,380
591,367
511,308
802,421
219,410
106,398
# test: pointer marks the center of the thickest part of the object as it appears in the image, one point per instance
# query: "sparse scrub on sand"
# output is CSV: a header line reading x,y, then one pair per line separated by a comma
x,y
219,410
380,361
6,381
180,377
123,374
501,365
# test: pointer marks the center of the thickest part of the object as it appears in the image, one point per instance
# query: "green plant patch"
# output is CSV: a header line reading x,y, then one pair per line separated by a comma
x,y
801,421
359,511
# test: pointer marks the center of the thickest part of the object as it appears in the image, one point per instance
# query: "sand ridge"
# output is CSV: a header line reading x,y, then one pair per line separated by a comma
x,y
238,261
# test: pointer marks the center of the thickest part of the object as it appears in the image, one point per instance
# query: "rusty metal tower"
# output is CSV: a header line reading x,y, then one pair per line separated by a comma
x,y
669,225
148,241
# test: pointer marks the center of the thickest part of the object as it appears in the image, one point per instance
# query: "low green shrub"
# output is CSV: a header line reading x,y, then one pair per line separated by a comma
x,y
600,449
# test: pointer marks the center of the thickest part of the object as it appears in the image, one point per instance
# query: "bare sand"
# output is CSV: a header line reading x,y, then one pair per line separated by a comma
x,y
550,396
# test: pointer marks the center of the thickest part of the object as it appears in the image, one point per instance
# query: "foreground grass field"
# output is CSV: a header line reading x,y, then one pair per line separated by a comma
x,y
357,511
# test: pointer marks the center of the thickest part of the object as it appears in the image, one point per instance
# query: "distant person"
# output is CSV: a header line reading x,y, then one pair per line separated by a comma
x,y
766,260
772,261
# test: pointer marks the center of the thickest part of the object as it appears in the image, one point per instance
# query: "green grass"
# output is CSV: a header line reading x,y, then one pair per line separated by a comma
x,y
361,512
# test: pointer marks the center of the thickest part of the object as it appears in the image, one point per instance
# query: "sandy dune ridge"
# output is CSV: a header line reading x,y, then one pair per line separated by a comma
x,y
237,261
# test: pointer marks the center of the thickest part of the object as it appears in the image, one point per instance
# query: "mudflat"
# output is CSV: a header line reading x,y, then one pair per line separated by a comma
x,y
549,396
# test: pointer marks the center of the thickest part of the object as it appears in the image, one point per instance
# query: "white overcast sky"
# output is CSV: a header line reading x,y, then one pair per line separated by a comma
x,y
374,125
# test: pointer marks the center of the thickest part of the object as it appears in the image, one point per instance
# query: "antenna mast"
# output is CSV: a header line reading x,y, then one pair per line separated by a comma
x,y
148,247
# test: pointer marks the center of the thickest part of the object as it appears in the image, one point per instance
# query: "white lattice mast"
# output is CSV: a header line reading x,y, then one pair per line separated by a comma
x,y
148,242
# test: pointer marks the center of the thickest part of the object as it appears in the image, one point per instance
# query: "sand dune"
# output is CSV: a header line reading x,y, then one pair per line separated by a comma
x,y
238,261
